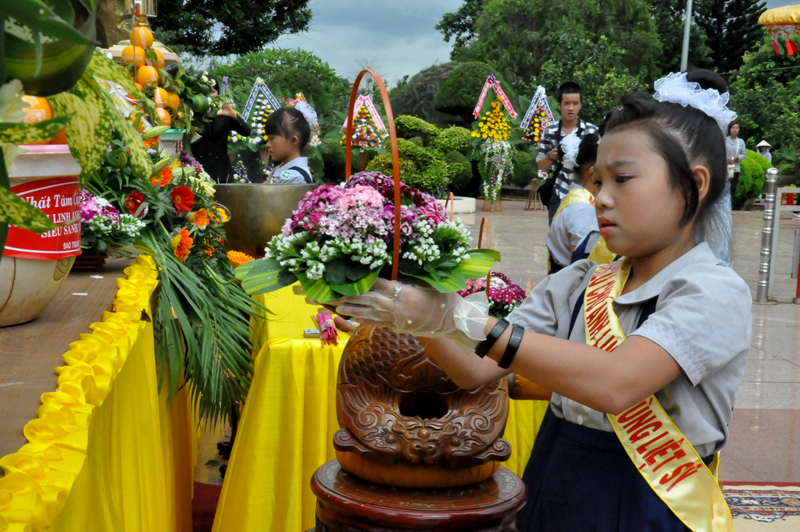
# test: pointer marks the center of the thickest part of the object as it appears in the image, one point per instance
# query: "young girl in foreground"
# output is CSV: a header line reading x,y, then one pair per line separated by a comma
x,y
607,457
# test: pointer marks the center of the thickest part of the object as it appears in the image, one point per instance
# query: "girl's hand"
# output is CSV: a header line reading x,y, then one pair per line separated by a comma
x,y
419,311
227,110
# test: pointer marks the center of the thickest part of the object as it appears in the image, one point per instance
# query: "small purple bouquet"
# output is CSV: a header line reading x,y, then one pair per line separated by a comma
x,y
504,296
340,240
102,224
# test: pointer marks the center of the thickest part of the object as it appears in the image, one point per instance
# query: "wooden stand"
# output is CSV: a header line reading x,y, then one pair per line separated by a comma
x,y
346,503
89,263
492,206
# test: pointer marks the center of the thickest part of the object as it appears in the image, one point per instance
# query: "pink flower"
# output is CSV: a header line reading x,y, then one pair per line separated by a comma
x,y
366,196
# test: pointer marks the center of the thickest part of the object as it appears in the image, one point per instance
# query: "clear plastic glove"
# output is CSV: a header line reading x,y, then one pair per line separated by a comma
x,y
420,311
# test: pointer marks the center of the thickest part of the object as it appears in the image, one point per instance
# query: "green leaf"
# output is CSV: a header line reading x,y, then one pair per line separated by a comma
x,y
88,132
104,68
17,211
38,16
357,288
317,290
356,271
262,276
479,263
455,282
29,133
336,271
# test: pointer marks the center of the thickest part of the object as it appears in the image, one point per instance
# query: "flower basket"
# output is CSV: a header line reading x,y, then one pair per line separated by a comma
x,y
337,242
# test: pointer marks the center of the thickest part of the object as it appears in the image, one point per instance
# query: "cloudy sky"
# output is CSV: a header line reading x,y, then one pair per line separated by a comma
x,y
395,38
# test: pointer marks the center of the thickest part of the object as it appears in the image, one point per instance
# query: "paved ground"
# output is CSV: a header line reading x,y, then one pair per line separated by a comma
x,y
765,431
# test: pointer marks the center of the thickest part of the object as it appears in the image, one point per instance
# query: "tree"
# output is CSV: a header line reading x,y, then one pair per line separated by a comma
x,y
668,18
416,96
765,92
732,29
241,25
519,36
460,25
461,90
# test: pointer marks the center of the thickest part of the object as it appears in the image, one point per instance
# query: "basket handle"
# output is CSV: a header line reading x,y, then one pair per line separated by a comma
x,y
451,200
485,223
395,156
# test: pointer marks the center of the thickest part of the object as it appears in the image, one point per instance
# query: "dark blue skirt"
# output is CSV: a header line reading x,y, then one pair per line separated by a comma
x,y
581,480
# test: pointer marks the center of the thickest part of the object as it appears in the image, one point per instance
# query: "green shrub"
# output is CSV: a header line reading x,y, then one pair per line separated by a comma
x,y
416,96
460,170
459,93
409,127
525,169
752,177
420,167
453,138
294,80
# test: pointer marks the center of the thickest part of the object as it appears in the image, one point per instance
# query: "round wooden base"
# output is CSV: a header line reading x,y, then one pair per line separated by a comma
x,y
345,503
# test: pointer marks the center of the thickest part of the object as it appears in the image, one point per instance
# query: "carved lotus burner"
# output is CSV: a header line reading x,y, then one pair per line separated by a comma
x,y
403,422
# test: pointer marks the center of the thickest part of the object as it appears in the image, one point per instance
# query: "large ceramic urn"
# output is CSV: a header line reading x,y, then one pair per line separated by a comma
x,y
405,423
34,266
258,212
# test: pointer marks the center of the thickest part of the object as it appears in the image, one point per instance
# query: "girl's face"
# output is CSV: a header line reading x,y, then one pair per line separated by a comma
x,y
638,211
735,130
281,149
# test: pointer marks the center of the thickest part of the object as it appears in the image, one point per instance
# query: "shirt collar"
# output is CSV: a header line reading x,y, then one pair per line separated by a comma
x,y
700,254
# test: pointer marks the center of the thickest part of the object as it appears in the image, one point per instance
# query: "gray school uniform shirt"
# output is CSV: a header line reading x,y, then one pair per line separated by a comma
x,y
571,225
286,174
702,319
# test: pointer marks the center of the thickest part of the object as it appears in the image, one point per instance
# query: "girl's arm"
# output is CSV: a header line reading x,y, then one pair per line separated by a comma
x,y
742,150
606,381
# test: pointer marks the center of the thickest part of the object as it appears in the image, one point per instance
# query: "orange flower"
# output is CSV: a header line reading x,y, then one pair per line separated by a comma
x,y
162,178
218,214
199,218
181,243
149,143
133,200
238,258
182,198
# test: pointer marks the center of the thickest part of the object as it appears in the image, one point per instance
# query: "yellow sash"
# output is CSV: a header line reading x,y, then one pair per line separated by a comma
x,y
663,456
601,254
578,195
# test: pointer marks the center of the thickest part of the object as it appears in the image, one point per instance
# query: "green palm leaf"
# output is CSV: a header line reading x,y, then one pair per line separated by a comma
x,y
13,134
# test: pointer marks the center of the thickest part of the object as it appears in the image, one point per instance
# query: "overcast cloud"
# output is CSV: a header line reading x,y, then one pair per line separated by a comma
x,y
396,38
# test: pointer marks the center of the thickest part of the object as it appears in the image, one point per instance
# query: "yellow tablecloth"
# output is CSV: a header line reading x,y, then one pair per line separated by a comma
x,y
286,430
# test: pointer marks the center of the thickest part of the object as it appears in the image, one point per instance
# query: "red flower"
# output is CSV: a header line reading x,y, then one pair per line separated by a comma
x,y
162,178
182,199
133,200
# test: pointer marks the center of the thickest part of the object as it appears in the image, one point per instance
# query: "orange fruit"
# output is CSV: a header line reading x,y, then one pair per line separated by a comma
x,y
142,37
60,138
166,119
139,86
173,100
133,54
147,74
159,59
38,111
161,97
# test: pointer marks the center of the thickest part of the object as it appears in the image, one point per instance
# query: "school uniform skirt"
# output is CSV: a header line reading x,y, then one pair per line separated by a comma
x,y
581,480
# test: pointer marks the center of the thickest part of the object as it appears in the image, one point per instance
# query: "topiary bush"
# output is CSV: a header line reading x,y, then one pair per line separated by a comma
x,y
416,97
453,138
752,177
409,127
460,91
460,170
294,80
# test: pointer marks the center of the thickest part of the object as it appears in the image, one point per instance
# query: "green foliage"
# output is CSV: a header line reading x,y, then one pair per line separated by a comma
x,y
223,27
766,95
753,175
669,22
409,127
453,138
598,68
41,46
460,25
272,63
519,36
525,169
732,27
294,80
416,96
459,93
460,170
